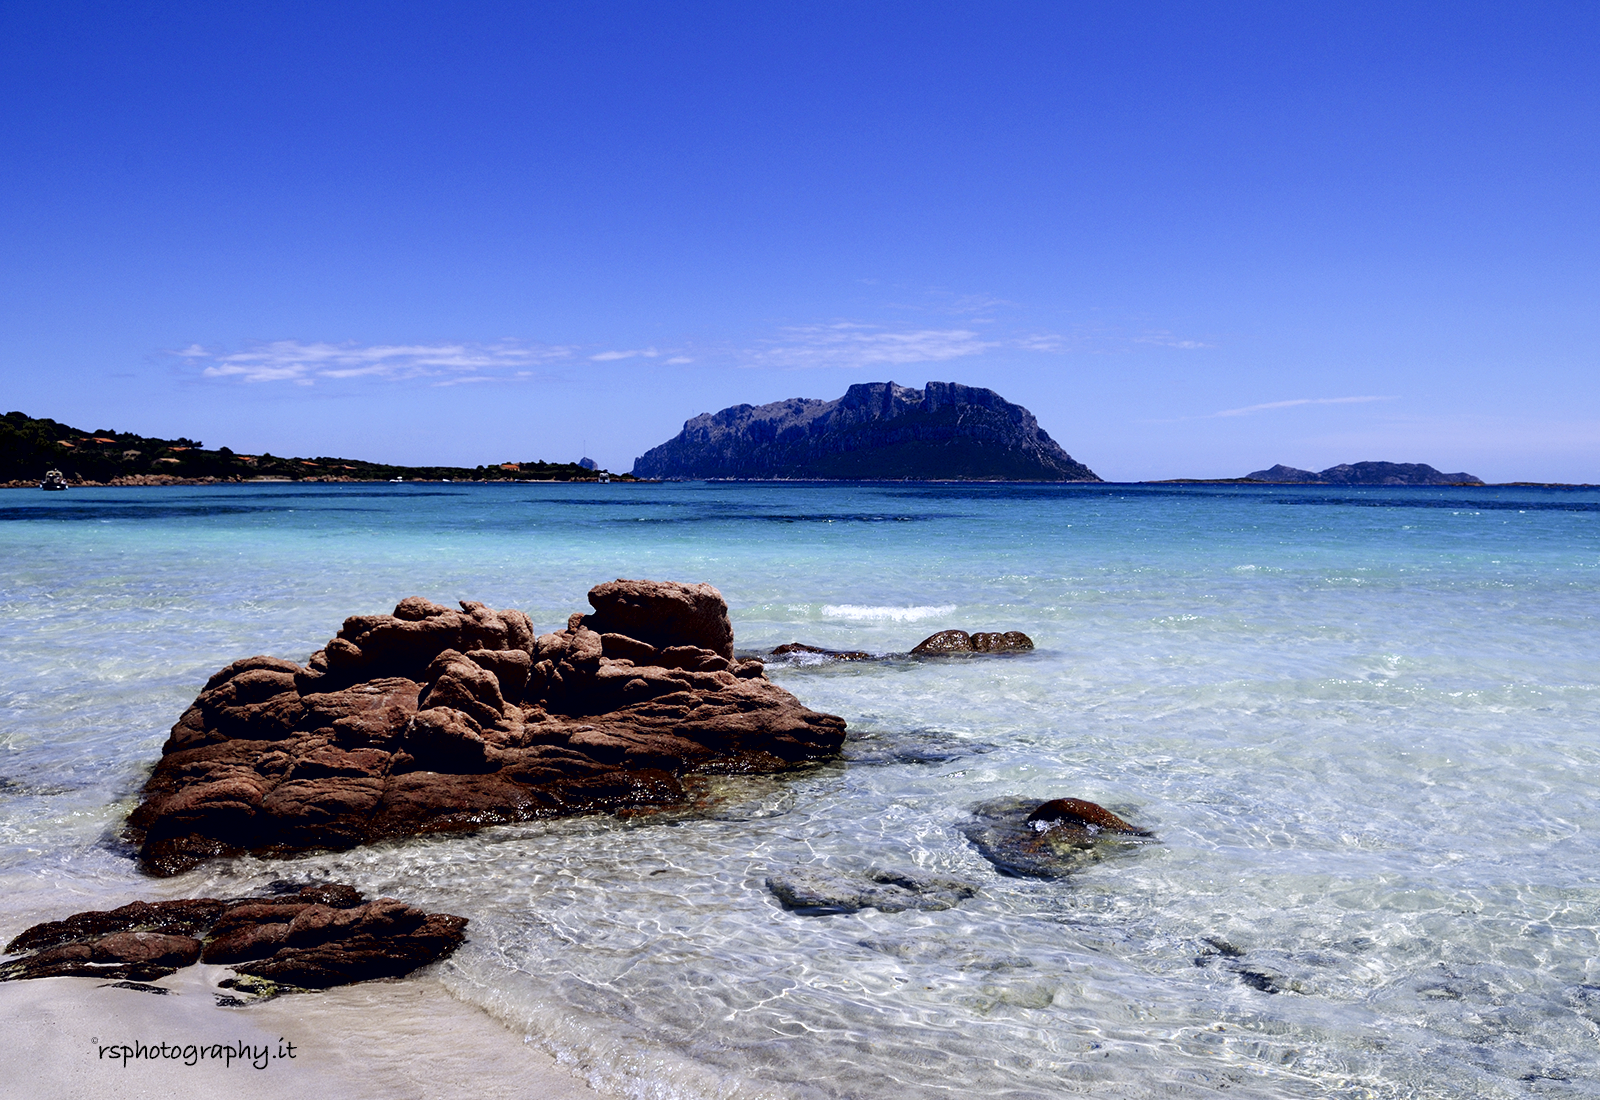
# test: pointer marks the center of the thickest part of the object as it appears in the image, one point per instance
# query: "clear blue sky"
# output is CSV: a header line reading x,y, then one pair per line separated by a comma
x,y
1195,239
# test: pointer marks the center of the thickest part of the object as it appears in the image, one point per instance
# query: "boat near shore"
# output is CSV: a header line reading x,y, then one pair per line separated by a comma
x,y
54,482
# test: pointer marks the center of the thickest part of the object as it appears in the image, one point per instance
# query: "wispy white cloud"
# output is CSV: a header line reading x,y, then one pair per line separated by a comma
x,y
306,364
613,356
1048,342
839,344
846,344
967,304
851,344
1250,410
1168,340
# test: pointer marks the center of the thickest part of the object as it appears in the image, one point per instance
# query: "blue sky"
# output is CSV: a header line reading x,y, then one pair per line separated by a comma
x,y
1195,239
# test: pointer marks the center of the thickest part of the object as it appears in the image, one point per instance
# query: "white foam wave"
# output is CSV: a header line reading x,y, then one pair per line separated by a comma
x,y
894,614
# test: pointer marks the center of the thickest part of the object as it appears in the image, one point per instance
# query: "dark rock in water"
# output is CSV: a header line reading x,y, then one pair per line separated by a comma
x,y
1026,837
944,643
435,719
876,431
1080,814
799,649
321,936
815,892
143,987
1010,641
1217,946
1254,974
1364,473
1267,981
959,641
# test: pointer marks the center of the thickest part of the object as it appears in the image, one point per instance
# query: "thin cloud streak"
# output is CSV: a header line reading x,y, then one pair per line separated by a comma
x,y
1250,410
305,364
851,345
1268,406
846,344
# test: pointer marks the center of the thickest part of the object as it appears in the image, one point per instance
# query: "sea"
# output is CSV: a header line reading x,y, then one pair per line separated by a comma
x,y
1363,725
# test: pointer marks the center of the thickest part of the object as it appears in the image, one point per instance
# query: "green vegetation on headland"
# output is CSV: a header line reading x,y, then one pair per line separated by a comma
x,y
29,447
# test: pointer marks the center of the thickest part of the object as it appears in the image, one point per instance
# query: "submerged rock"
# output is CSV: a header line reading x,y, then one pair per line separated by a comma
x,y
1253,973
318,937
916,746
815,892
435,719
958,954
1027,837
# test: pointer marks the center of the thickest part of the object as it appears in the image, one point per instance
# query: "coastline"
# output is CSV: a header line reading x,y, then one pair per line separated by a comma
x,y
398,1038
164,481
157,481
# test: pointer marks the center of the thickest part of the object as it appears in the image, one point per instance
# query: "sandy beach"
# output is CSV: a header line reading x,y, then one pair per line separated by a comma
x,y
66,1038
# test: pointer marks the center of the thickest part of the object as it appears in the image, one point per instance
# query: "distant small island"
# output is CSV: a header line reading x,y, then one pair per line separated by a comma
x,y
31,447
876,431
1363,473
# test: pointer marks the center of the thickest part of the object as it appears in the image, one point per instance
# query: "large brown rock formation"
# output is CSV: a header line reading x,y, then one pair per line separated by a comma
x,y
435,719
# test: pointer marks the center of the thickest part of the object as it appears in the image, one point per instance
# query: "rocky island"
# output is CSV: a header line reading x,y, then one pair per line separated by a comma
x,y
876,431
1364,473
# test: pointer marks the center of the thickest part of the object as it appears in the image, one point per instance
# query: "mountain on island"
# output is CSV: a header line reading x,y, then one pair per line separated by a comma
x,y
1364,473
876,431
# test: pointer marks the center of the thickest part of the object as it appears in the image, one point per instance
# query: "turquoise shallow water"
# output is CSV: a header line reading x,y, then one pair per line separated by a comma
x,y
1363,724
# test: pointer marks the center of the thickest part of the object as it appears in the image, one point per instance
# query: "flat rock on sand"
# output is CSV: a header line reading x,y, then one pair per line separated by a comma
x,y
435,719
315,938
